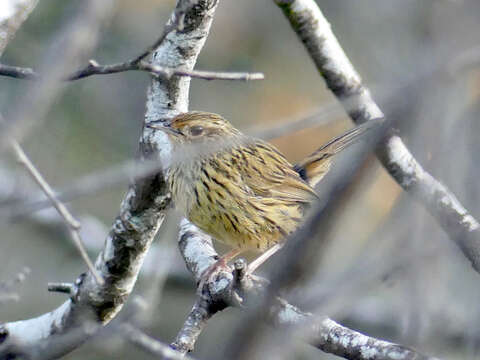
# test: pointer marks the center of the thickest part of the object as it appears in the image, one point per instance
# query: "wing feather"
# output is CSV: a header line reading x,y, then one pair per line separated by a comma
x,y
269,174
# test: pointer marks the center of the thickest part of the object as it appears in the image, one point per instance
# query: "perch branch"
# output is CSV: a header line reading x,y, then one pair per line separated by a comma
x,y
229,289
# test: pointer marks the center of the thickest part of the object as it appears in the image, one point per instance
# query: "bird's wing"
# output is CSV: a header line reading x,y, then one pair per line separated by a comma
x,y
268,174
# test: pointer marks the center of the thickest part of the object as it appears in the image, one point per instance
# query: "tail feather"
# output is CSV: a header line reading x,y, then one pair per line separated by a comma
x,y
315,166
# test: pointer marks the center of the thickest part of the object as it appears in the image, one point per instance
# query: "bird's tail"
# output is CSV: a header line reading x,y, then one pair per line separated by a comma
x,y
315,166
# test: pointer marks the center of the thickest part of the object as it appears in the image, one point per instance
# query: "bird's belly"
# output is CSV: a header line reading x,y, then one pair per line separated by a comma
x,y
241,226
224,210
237,234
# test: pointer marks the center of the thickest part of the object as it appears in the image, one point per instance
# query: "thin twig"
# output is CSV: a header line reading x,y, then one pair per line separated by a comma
x,y
201,74
149,344
92,228
138,63
91,184
66,288
95,69
17,72
71,222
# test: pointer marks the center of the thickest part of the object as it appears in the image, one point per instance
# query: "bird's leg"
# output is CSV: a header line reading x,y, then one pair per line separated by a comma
x,y
222,262
262,258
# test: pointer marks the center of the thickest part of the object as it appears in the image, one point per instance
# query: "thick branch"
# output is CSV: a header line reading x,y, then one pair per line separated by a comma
x,y
141,213
315,32
336,339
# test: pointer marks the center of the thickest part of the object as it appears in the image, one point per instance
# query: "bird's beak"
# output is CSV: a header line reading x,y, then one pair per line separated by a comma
x,y
165,128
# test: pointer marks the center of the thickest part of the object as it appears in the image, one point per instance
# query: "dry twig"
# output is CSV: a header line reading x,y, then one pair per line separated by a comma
x,y
147,343
94,68
72,223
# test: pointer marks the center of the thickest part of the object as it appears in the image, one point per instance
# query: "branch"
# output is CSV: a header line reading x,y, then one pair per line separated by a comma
x,y
141,213
315,32
95,69
230,288
153,346
72,223
92,229
336,339
17,72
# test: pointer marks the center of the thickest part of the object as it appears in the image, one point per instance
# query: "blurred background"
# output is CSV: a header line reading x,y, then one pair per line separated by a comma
x,y
390,271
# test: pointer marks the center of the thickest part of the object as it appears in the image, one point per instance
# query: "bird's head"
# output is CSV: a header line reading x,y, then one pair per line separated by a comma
x,y
198,127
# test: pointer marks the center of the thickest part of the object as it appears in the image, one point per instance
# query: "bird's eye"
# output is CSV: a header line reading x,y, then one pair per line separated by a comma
x,y
196,130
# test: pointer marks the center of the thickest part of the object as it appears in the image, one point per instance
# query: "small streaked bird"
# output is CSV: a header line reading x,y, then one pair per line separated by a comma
x,y
241,190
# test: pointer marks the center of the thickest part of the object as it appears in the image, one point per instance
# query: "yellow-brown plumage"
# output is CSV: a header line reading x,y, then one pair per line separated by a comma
x,y
238,189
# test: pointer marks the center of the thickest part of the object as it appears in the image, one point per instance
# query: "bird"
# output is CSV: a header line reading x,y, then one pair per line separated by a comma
x,y
239,189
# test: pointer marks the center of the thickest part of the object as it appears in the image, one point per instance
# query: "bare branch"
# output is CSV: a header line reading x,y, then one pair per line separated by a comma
x,y
95,69
315,32
221,292
153,346
193,326
71,222
17,72
65,288
333,338
92,229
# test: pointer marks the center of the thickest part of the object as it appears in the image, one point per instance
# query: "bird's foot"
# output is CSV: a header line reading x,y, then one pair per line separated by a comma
x,y
221,265
211,271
